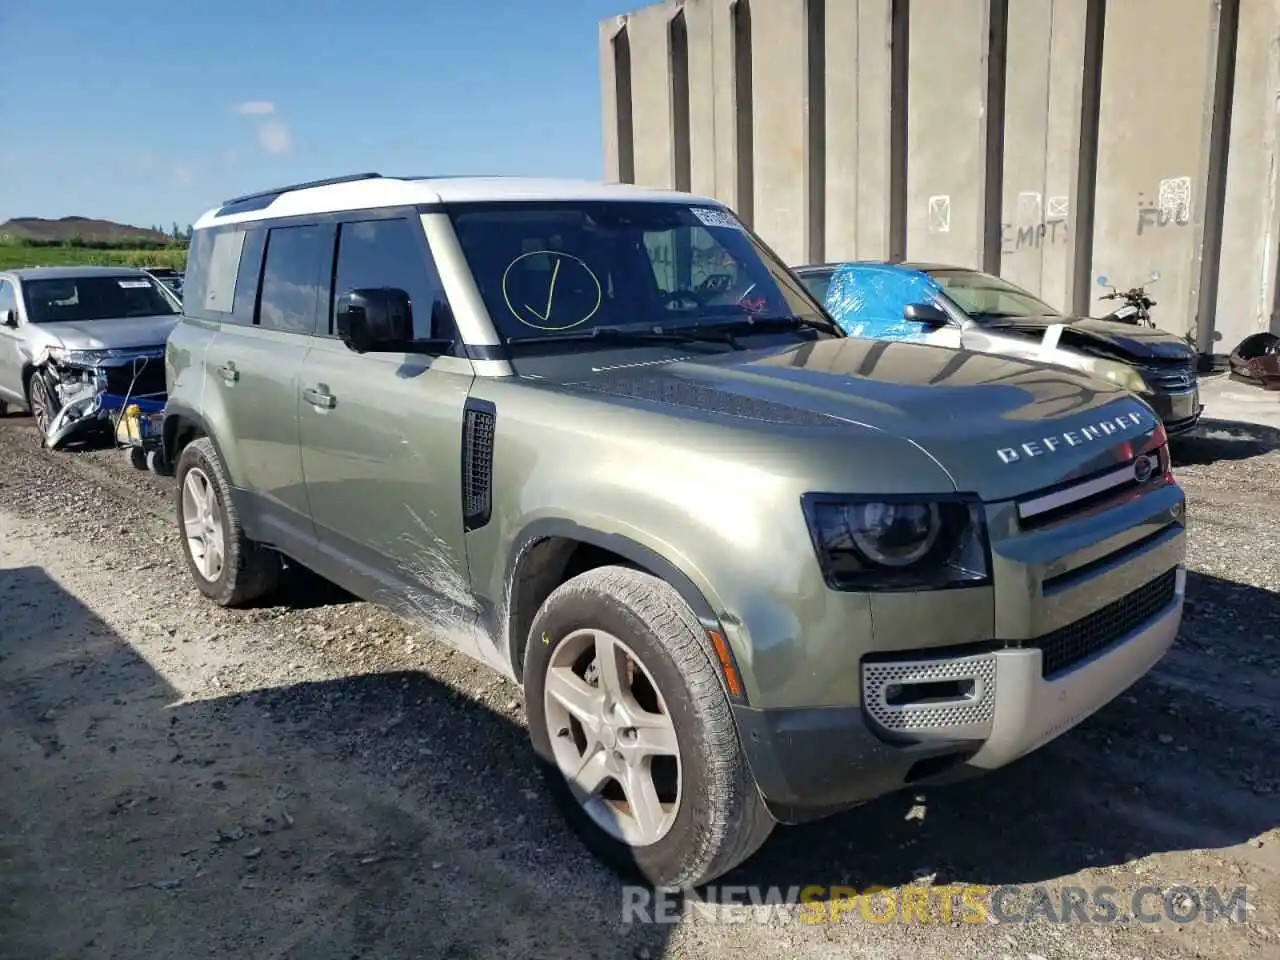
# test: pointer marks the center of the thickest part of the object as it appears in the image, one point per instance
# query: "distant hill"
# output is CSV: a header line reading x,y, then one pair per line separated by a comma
x,y
79,228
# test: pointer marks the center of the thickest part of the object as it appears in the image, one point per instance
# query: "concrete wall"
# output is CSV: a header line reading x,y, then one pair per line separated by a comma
x,y
1050,141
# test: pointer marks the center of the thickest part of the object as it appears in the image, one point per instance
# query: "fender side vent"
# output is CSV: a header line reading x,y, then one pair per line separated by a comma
x,y
477,463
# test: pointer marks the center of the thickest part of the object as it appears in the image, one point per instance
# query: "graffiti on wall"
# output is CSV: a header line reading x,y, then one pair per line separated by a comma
x,y
1172,206
1038,222
940,213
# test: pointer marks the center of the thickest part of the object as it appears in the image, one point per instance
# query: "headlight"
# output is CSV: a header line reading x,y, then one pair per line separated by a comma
x,y
898,543
1121,374
79,358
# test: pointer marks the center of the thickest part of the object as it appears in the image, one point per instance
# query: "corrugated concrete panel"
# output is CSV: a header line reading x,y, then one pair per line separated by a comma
x,y
1246,297
843,124
609,29
946,150
858,110
1041,144
874,134
780,119
651,101
1156,83
704,144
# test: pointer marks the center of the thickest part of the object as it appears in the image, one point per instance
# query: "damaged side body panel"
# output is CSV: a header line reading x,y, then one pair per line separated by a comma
x,y
90,388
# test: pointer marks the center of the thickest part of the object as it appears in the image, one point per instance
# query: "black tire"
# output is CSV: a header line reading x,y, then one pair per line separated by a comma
x,y
138,458
4,408
43,404
722,819
249,570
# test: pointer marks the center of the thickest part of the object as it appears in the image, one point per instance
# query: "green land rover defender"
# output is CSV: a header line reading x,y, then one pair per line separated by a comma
x,y
747,569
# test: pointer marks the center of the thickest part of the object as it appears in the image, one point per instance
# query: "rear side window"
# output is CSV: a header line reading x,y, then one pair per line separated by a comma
x,y
392,253
8,299
223,267
291,277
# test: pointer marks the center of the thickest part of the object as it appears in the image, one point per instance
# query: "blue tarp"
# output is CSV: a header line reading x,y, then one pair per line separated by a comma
x,y
867,300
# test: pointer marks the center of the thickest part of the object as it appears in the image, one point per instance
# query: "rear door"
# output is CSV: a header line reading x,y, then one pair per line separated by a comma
x,y
253,367
382,439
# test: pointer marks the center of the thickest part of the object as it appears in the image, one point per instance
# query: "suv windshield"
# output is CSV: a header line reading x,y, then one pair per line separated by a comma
x,y
983,296
75,299
572,266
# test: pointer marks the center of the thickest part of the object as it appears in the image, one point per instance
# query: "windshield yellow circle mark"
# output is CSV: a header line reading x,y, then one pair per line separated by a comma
x,y
563,265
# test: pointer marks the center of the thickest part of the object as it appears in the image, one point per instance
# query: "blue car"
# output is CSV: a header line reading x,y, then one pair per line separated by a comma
x,y
963,308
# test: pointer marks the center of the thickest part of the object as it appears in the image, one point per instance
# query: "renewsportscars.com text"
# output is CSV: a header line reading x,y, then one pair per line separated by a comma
x,y
916,903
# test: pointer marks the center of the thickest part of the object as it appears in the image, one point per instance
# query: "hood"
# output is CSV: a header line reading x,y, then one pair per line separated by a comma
x,y
1109,338
1000,427
112,334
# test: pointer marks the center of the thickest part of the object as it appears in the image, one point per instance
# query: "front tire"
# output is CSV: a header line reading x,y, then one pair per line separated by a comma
x,y
625,701
42,401
227,567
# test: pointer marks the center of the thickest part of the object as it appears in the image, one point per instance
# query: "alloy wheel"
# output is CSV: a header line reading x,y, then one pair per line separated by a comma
x,y
202,524
612,737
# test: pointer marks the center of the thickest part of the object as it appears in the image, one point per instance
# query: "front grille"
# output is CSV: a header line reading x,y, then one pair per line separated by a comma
x,y
1169,377
1090,635
149,379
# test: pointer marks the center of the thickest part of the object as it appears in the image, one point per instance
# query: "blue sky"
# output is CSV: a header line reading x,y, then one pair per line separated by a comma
x,y
148,112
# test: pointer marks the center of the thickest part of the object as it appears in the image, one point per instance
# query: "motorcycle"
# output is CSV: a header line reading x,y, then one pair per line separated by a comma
x,y
1136,308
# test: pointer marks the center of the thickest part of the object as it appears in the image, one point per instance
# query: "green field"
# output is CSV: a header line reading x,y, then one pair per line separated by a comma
x,y
14,255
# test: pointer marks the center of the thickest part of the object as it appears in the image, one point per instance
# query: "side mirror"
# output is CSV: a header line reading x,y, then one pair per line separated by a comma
x,y
9,318
925,313
373,320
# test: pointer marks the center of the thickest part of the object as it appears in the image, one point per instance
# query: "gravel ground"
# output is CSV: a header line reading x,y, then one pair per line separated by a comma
x,y
317,779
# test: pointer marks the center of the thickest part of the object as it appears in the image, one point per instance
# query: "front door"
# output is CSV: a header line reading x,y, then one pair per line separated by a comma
x,y
382,439
254,367
10,360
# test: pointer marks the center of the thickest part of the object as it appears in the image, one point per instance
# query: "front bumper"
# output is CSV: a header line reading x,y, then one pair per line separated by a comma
x,y
1005,703
1178,411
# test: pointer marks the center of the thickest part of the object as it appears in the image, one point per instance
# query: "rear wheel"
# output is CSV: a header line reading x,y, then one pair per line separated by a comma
x,y
633,732
4,408
228,567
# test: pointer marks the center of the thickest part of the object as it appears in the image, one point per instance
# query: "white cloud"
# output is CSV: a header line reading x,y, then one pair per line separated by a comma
x,y
255,108
274,137
183,174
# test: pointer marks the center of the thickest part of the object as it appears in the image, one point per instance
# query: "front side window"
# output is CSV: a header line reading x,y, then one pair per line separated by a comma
x,y
291,277
391,253
983,296
572,265
80,299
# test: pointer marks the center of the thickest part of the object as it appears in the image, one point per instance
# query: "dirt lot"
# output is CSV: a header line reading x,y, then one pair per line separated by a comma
x,y
316,779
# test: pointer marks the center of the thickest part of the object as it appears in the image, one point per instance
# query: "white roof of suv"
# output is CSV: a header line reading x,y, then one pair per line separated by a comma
x,y
371,191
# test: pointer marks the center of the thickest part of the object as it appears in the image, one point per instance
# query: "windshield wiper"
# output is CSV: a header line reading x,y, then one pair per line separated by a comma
x,y
769,324
624,335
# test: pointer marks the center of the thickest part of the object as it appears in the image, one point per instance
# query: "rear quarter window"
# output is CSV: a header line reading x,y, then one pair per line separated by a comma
x,y
223,270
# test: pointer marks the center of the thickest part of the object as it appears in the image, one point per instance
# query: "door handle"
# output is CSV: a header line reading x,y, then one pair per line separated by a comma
x,y
228,372
319,396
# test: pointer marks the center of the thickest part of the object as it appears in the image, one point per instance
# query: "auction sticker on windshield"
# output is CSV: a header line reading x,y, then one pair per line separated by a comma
x,y
711,217
134,284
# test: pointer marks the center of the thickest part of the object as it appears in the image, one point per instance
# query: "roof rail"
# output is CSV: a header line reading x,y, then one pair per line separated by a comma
x,y
301,186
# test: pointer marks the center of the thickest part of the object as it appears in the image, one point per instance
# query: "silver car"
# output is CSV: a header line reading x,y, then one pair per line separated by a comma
x,y
78,344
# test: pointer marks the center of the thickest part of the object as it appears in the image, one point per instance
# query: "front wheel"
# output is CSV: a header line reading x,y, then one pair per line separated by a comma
x,y
633,732
42,401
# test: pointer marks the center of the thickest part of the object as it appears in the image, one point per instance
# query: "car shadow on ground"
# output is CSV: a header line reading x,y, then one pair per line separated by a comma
x,y
374,816
1214,440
